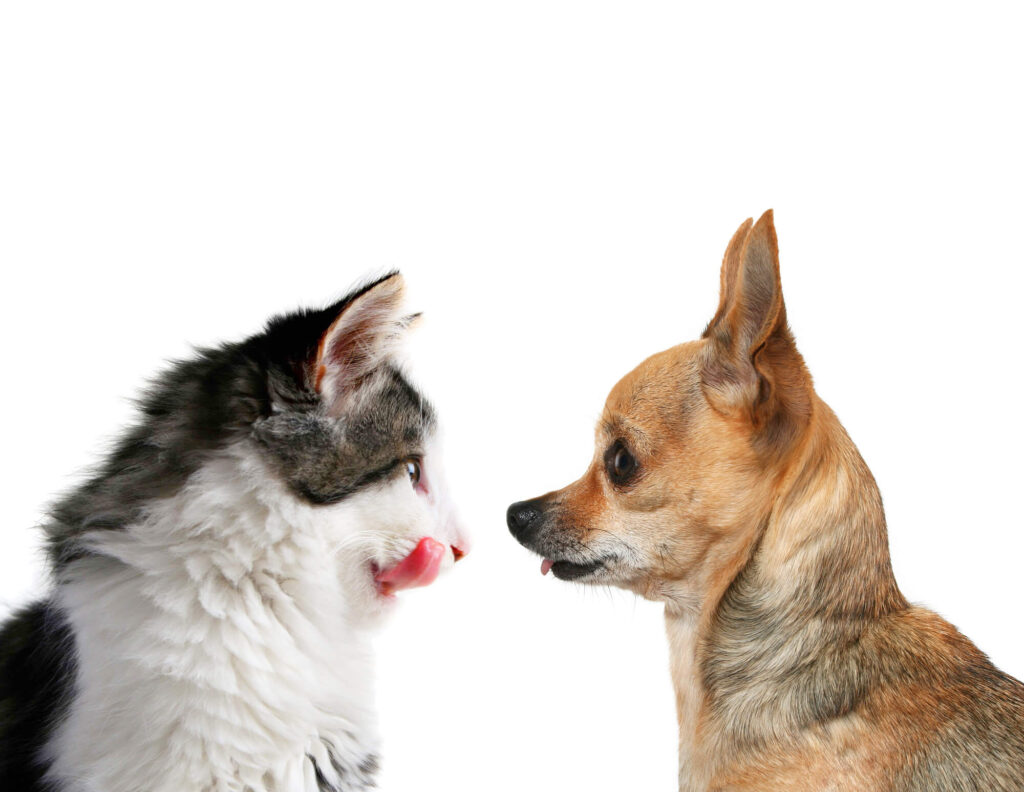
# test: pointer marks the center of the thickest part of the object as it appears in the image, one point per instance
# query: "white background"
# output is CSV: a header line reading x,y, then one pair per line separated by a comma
x,y
558,182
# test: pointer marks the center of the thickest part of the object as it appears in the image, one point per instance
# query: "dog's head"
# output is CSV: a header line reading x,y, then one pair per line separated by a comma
x,y
688,449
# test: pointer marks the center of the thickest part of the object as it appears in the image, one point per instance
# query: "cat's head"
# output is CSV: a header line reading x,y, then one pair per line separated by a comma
x,y
354,441
334,442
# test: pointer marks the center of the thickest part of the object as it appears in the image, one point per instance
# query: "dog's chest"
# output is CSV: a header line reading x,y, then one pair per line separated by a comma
x,y
689,690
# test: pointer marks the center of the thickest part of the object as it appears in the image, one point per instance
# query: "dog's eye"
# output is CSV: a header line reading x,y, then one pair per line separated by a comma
x,y
621,464
412,467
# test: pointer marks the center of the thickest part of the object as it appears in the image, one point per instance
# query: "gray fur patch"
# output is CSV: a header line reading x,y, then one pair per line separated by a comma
x,y
326,459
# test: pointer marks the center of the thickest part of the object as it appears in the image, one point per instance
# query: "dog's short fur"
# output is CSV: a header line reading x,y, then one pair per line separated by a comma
x,y
723,486
216,576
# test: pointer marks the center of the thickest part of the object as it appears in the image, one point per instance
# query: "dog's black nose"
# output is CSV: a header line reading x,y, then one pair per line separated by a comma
x,y
522,517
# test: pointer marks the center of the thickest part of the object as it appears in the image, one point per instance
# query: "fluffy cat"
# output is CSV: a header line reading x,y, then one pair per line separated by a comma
x,y
217,575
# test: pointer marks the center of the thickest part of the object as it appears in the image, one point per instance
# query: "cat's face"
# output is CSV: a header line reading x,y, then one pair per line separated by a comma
x,y
302,448
356,443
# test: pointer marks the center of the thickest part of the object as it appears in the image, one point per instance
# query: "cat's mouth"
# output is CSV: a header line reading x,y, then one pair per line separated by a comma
x,y
419,568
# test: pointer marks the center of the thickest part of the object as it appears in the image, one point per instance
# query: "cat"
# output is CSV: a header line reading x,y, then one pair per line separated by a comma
x,y
218,576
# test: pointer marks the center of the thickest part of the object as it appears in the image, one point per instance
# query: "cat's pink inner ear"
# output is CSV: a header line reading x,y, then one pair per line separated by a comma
x,y
361,337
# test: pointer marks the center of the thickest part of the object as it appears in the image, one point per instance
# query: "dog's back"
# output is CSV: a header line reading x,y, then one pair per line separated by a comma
x,y
964,718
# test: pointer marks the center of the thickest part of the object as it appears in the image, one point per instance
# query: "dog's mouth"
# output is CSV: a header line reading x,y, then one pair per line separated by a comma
x,y
420,568
570,570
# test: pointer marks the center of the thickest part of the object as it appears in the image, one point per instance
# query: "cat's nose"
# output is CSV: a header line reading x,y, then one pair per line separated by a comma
x,y
522,518
458,539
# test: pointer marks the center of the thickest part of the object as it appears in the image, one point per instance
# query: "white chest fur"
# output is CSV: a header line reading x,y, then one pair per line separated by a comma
x,y
220,646
682,640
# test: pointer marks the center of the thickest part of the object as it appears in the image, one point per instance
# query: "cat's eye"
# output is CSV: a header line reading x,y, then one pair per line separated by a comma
x,y
412,467
620,464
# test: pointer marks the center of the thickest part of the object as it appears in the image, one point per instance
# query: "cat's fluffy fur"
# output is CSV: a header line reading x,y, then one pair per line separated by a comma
x,y
215,576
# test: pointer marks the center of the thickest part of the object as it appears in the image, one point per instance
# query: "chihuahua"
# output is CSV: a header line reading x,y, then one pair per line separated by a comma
x,y
725,488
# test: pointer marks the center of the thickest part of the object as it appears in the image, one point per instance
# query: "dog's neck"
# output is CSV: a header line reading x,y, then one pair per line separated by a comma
x,y
215,645
746,664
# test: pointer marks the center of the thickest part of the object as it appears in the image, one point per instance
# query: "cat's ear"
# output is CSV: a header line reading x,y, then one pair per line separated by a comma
x,y
365,333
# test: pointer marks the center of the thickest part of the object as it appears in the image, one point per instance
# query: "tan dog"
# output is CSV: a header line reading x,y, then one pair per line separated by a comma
x,y
724,487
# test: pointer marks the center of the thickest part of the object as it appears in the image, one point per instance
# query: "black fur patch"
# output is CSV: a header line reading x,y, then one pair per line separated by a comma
x,y
358,777
37,669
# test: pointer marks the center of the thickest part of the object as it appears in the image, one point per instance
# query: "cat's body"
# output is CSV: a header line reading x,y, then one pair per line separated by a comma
x,y
216,579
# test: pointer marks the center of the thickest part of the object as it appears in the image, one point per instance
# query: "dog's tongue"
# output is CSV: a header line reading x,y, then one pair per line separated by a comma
x,y
419,568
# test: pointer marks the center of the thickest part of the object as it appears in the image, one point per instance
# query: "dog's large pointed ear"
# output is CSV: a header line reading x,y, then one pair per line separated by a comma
x,y
730,268
752,362
365,333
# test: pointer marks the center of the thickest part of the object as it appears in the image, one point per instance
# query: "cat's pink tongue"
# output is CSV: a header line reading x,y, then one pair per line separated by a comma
x,y
419,568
